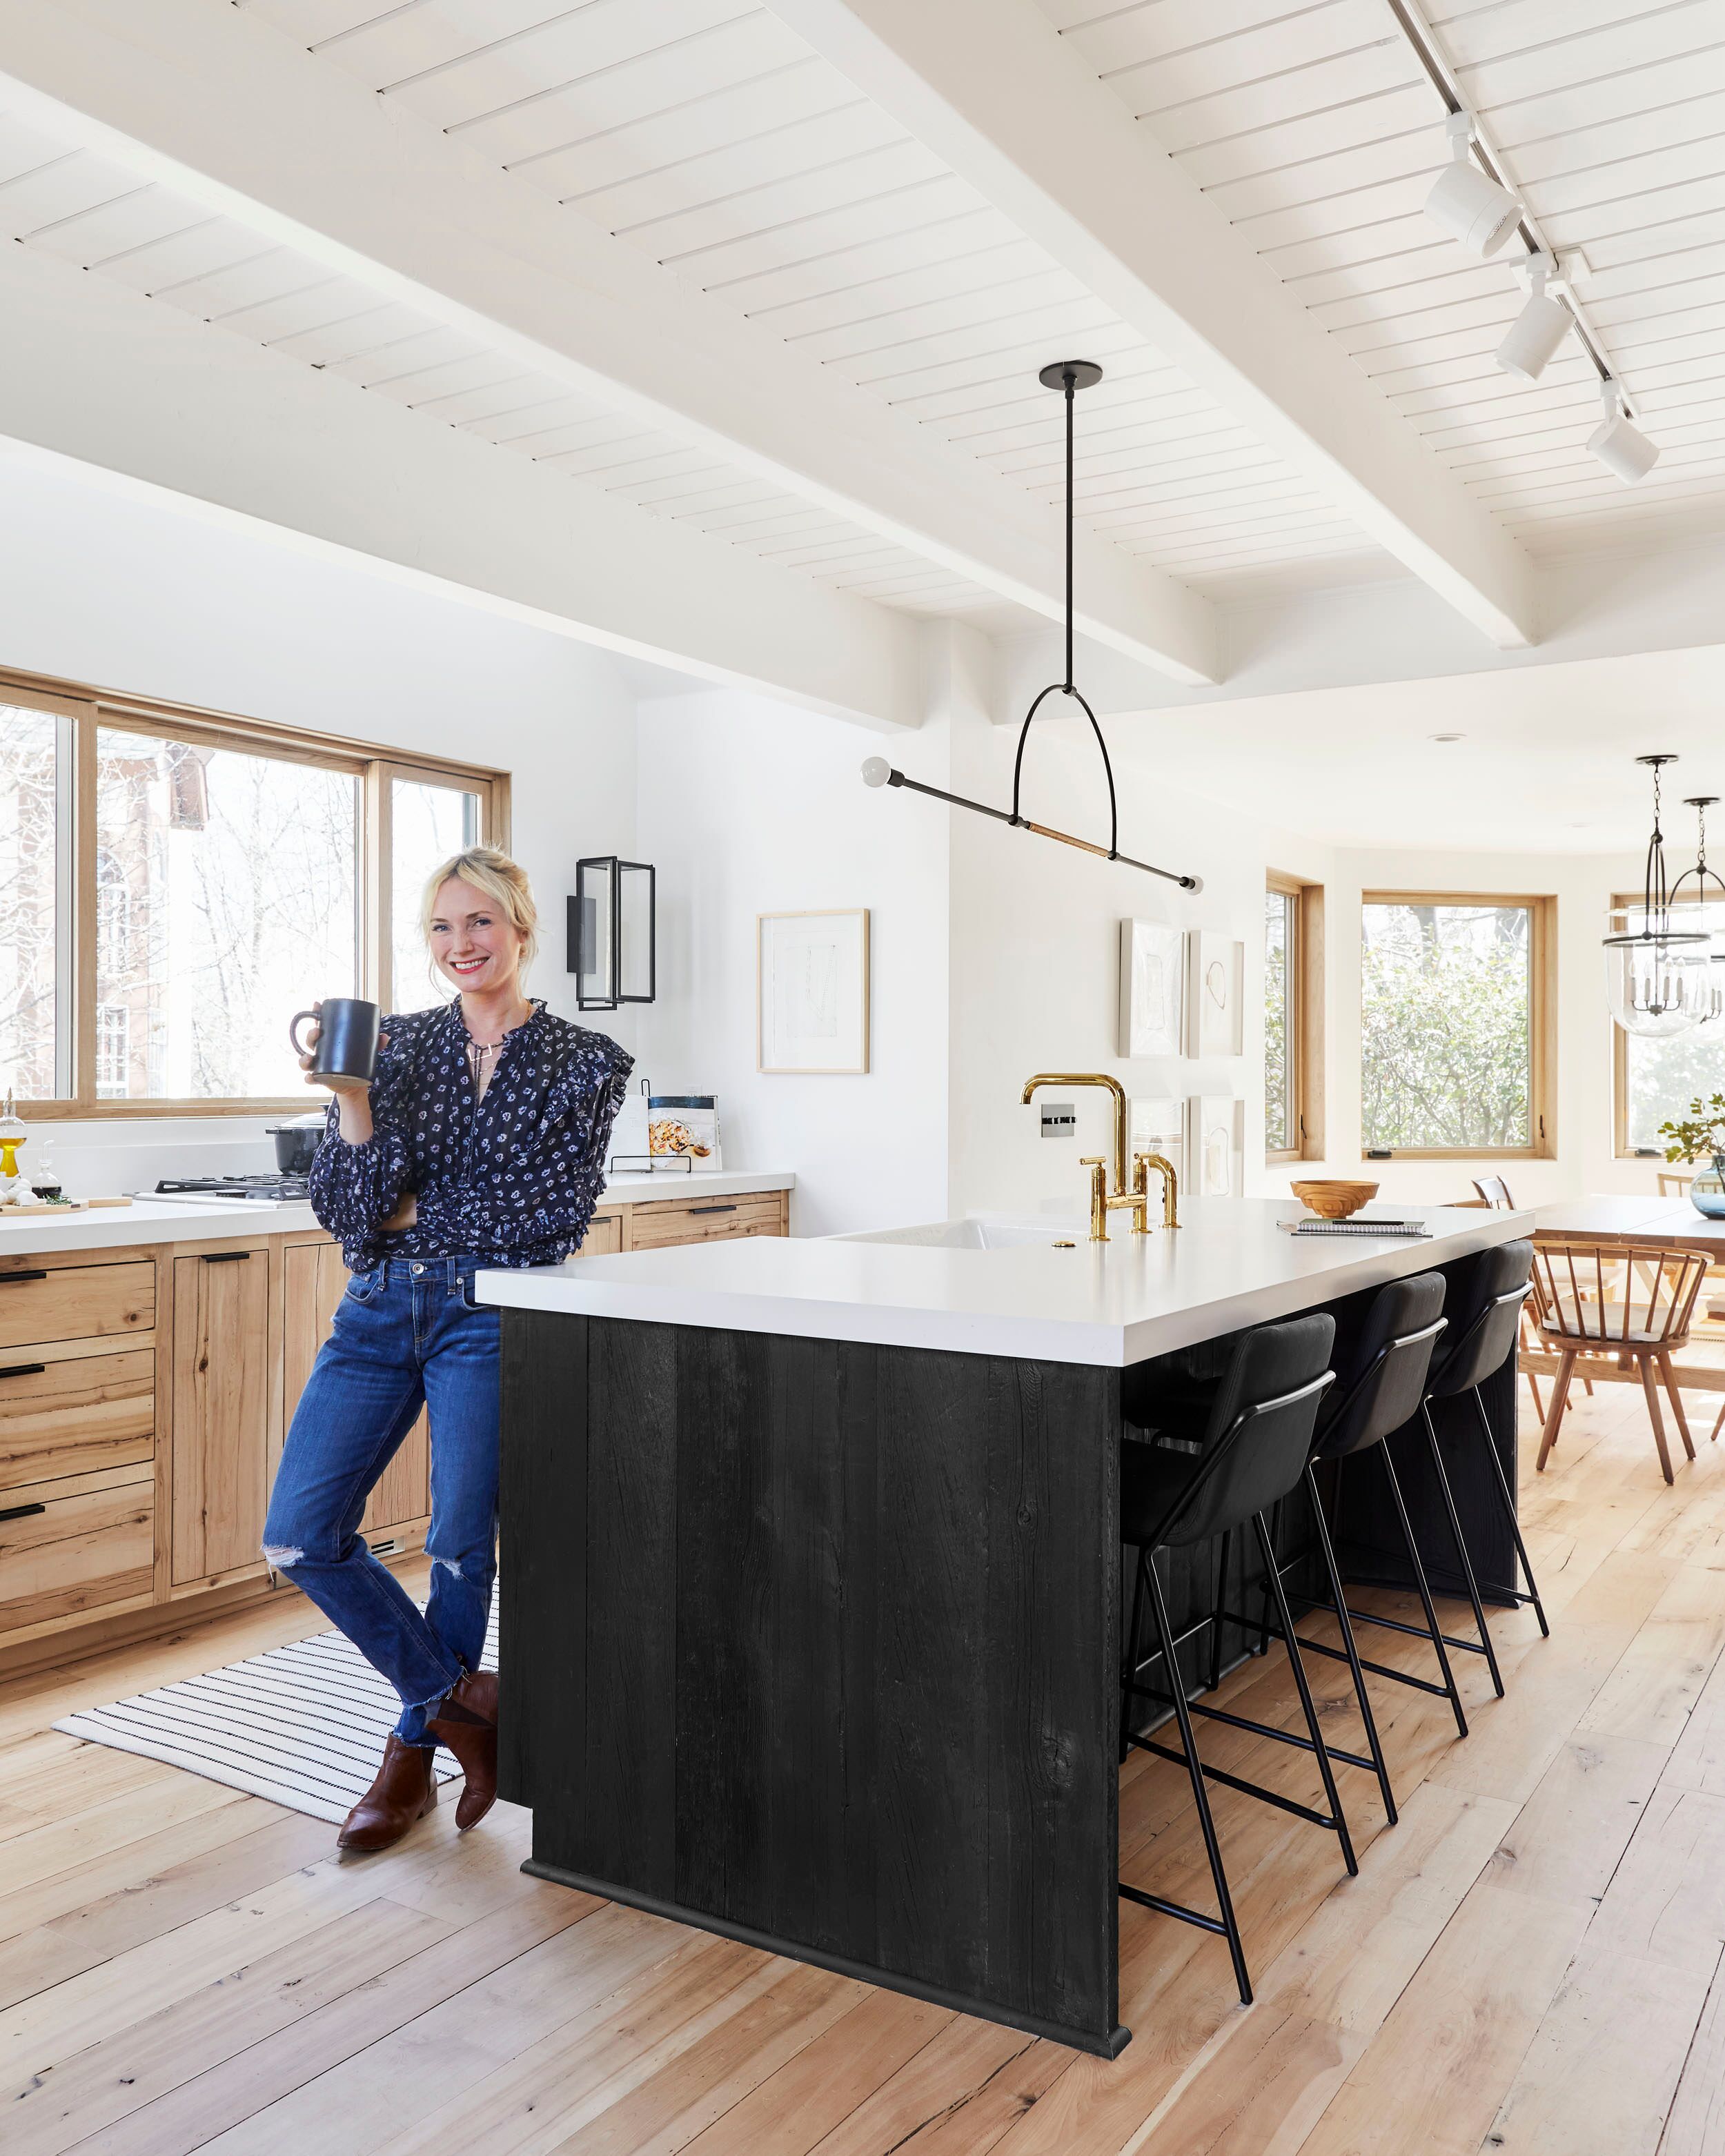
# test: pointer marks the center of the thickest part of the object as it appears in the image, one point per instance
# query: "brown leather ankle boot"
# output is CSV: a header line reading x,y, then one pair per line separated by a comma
x,y
404,1791
466,1721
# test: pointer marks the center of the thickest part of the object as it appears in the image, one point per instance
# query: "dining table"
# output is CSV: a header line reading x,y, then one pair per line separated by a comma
x,y
1613,1221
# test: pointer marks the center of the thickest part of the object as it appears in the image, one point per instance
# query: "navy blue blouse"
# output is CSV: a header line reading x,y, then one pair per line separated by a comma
x,y
512,1178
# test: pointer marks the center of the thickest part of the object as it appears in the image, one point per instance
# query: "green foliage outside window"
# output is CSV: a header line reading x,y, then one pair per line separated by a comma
x,y
1446,1025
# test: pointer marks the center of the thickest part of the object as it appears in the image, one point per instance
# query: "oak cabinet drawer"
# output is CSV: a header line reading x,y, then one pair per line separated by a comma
x,y
604,1237
74,1554
706,1219
75,1302
70,1418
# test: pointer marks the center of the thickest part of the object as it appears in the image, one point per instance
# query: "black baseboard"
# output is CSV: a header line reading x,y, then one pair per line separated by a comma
x,y
1102,2047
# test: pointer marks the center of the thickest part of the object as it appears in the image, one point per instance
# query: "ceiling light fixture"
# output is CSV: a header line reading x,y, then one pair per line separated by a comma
x,y
1539,329
1470,206
1618,443
1069,376
1654,971
1446,737
1707,981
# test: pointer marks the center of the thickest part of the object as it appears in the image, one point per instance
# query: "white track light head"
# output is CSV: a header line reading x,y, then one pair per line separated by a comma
x,y
1618,443
1539,330
1470,207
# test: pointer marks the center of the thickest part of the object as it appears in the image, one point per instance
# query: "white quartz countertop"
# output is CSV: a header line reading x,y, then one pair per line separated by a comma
x,y
179,1220
1230,1266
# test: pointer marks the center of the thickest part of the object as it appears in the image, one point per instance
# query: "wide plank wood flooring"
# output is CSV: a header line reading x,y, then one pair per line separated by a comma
x,y
1530,1962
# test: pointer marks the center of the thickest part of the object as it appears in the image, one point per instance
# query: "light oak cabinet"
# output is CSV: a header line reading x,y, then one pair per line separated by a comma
x,y
314,1281
221,1412
144,1393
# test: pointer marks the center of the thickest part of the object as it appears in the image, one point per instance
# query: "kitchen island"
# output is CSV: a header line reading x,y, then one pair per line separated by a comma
x,y
811,1576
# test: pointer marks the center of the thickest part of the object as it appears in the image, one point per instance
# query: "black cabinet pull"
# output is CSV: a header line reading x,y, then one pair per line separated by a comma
x,y
23,1370
223,1257
40,1272
21,1512
695,1211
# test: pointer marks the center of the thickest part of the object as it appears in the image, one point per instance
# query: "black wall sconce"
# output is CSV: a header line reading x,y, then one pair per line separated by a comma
x,y
613,933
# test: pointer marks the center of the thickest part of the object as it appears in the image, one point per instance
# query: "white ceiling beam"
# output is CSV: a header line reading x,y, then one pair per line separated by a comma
x,y
993,90
220,105
92,372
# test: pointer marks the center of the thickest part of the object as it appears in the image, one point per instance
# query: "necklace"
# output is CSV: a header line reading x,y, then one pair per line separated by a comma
x,y
477,1051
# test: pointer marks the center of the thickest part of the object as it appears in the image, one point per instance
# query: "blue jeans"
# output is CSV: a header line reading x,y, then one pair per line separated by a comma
x,y
405,1333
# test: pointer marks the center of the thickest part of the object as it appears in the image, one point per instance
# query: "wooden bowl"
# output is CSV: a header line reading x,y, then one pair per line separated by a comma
x,y
1334,1201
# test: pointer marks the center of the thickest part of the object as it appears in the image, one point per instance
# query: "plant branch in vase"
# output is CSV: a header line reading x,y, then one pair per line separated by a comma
x,y
1701,1133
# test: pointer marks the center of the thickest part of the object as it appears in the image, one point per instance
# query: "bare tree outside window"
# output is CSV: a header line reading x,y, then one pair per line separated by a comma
x,y
1446,1025
29,780
227,898
427,823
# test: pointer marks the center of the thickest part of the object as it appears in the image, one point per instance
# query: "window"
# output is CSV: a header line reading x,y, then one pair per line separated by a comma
x,y
1655,1081
1454,1014
1293,1020
223,870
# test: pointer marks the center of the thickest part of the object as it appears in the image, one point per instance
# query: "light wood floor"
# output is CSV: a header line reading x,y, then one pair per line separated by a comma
x,y
1530,1962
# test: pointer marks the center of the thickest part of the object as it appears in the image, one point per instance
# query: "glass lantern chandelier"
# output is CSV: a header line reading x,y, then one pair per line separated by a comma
x,y
1656,968
1705,980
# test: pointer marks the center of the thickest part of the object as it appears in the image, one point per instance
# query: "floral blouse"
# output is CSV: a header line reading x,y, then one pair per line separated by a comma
x,y
512,1178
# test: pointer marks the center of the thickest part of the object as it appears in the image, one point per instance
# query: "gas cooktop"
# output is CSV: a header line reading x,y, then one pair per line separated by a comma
x,y
257,1189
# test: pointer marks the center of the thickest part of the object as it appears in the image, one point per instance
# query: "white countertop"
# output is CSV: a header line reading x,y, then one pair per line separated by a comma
x,y
179,1221
1110,1303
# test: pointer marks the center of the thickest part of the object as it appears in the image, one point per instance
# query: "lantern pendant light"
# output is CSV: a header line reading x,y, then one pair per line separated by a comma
x,y
1069,377
1654,970
1706,980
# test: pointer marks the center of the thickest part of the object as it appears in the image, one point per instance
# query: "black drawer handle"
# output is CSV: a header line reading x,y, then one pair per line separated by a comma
x,y
21,1512
223,1257
23,1370
695,1211
39,1273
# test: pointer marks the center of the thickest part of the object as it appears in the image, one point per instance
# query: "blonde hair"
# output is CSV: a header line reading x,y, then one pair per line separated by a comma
x,y
502,880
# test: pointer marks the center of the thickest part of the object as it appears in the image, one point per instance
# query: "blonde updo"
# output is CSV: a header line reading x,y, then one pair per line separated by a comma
x,y
503,881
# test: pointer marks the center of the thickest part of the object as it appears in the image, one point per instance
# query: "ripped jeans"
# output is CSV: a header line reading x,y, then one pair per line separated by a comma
x,y
404,1333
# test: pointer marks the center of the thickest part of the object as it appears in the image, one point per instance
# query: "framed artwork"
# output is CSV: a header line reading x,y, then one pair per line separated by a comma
x,y
811,994
1216,1146
1153,988
1157,1125
1213,988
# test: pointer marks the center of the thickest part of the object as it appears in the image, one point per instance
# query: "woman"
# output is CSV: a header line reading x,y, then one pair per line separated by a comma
x,y
481,1141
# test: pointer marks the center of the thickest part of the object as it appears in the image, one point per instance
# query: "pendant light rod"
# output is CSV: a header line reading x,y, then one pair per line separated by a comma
x,y
1069,377
1703,876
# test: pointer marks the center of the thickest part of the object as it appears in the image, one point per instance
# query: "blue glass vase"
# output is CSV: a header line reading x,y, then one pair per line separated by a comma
x,y
1706,1191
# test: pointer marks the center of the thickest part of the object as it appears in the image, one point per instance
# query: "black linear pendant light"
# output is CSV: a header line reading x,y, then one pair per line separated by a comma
x,y
1069,377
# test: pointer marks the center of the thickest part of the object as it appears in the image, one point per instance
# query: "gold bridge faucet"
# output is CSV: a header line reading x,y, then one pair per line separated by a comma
x,y
1135,1199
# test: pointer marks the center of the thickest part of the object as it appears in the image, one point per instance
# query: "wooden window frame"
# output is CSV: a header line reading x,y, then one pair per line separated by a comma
x,y
1306,1017
1542,1018
373,765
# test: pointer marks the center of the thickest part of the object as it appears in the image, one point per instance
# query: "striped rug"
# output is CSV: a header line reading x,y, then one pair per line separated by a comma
x,y
303,1725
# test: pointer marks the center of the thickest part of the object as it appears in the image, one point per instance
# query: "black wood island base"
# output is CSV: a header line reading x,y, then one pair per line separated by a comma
x,y
816,1643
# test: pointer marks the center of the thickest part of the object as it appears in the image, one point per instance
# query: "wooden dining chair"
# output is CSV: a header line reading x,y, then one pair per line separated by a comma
x,y
1676,1184
1635,1301
1494,1192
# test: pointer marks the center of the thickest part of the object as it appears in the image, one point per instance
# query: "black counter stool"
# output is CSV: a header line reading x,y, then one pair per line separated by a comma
x,y
1381,1384
1215,1460
1485,1329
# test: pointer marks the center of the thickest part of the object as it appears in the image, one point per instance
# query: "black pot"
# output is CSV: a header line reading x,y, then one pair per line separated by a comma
x,y
295,1145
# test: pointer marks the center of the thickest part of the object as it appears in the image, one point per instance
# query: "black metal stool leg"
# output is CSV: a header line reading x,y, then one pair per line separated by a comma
x,y
1473,1585
1509,1507
1298,1666
1133,1657
1419,1581
1372,1745
1200,1797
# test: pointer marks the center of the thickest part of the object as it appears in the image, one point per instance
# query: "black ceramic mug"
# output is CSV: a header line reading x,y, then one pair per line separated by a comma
x,y
346,1041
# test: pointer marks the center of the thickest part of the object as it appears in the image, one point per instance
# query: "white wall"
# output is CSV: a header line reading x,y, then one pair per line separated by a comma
x,y
748,806
100,588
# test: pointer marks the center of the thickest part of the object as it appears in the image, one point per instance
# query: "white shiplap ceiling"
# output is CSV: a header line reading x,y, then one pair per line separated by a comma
x,y
705,134
63,201
1315,129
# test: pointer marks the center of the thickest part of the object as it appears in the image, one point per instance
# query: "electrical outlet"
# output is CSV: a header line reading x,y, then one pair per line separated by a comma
x,y
1060,1119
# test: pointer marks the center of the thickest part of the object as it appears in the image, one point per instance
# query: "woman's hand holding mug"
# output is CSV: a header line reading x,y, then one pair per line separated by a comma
x,y
345,1062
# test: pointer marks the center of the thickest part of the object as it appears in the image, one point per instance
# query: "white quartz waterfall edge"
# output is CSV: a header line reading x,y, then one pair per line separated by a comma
x,y
303,1726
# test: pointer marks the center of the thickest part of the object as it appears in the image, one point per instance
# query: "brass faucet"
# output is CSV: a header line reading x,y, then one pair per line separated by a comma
x,y
1135,1197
